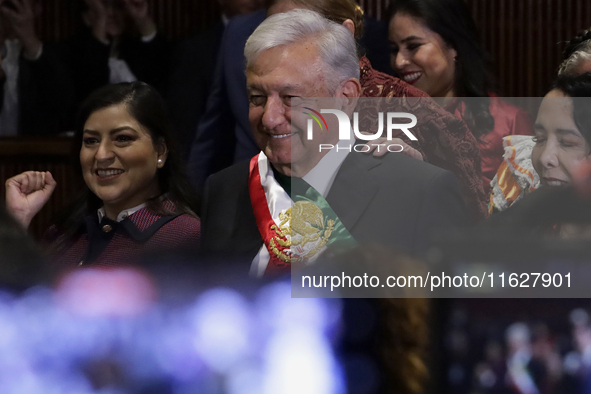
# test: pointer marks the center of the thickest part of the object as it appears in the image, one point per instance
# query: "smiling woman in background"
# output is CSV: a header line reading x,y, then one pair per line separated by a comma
x,y
561,158
563,131
136,198
577,54
516,176
557,153
435,48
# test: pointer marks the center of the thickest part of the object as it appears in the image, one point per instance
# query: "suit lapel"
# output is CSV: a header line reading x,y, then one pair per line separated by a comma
x,y
245,227
353,188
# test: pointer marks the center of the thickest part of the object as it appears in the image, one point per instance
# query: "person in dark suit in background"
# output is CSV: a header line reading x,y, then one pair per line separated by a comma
x,y
393,199
192,71
225,121
36,91
118,42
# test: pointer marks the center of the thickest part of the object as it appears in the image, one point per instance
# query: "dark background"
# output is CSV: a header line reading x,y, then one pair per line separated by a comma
x,y
524,37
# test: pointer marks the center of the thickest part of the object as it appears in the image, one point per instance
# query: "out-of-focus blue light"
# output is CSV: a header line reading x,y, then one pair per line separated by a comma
x,y
246,379
278,310
300,360
222,327
174,351
45,382
219,343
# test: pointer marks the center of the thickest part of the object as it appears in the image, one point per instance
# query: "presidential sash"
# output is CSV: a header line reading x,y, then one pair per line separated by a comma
x,y
296,228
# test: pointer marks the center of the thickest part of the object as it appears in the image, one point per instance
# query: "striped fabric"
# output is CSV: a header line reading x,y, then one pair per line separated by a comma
x,y
516,176
126,249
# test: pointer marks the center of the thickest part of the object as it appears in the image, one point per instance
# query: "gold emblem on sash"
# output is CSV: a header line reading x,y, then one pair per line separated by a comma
x,y
307,230
281,238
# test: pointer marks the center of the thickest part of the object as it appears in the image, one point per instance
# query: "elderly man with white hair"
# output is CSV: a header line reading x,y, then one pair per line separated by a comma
x,y
294,201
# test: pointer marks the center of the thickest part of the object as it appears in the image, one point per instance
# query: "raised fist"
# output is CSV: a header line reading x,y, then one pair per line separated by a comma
x,y
27,193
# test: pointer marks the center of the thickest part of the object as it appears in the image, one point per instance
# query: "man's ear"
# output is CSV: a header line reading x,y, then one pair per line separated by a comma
x,y
161,152
350,25
350,90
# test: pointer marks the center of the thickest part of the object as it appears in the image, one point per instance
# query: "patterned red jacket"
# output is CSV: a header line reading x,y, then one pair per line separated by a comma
x,y
112,244
444,140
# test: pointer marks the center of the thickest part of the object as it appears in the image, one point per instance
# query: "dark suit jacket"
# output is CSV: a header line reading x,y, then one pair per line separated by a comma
x,y
89,61
394,200
46,94
191,75
227,106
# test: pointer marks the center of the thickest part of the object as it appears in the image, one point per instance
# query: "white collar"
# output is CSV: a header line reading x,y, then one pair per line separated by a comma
x,y
322,176
122,215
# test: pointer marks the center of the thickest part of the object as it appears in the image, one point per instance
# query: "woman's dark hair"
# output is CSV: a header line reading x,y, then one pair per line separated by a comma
x,y
576,51
146,106
574,44
579,88
451,19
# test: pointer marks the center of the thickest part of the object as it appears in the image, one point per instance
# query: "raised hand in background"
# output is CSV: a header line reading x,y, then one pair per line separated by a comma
x,y
139,12
20,15
96,19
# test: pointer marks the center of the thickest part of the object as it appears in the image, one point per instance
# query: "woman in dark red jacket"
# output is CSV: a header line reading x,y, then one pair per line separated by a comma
x,y
136,198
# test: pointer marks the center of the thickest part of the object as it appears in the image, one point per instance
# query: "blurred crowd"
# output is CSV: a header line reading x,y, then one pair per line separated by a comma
x,y
113,41
539,354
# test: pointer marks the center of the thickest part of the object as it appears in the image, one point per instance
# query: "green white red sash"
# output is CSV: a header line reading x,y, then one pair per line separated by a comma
x,y
293,232
270,202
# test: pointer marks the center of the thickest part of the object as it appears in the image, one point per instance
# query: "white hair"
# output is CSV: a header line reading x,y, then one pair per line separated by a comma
x,y
336,45
581,54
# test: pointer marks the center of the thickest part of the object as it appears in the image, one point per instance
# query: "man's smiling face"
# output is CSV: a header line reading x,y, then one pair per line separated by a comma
x,y
278,81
